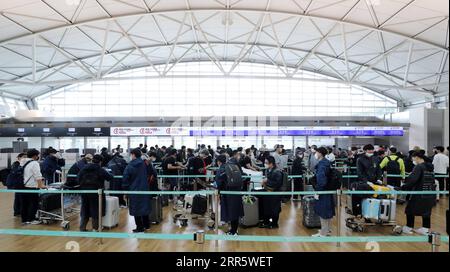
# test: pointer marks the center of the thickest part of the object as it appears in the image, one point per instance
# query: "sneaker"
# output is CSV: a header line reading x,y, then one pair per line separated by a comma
x,y
407,230
320,235
123,206
273,226
35,222
231,233
138,230
422,231
264,226
26,223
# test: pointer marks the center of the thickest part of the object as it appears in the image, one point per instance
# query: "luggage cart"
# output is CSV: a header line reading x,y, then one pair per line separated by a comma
x,y
182,210
359,223
68,208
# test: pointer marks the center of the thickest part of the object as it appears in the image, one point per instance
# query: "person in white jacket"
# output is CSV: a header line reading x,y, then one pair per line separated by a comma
x,y
441,164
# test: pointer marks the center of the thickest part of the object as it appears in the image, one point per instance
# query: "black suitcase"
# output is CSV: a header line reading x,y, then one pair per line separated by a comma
x,y
156,216
49,202
199,205
310,219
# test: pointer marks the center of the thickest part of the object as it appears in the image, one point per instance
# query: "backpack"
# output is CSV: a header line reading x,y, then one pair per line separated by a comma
x,y
334,180
234,176
16,178
428,185
393,167
90,179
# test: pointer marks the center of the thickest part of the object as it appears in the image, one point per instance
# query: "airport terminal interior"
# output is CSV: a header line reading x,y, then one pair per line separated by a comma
x,y
224,125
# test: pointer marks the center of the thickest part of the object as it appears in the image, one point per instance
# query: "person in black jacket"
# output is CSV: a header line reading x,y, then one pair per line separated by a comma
x,y
298,169
421,179
231,206
271,204
92,177
117,165
72,174
106,157
14,166
368,166
51,167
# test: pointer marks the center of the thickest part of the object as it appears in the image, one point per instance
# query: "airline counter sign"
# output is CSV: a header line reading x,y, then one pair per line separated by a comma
x,y
148,131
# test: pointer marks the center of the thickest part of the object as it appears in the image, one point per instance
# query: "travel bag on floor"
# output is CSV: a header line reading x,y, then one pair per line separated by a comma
x,y
388,210
251,212
371,208
112,211
199,205
156,216
310,219
49,202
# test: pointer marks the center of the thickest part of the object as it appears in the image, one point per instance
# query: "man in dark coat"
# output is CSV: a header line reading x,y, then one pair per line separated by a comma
x,y
271,204
368,166
135,179
298,169
117,166
51,167
92,177
421,179
106,156
231,206
325,206
72,175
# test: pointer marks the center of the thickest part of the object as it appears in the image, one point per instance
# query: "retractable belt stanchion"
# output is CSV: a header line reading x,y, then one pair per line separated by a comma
x,y
100,213
435,241
339,214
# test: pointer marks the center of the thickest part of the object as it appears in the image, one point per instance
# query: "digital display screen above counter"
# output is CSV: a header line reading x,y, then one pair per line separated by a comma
x,y
54,132
304,131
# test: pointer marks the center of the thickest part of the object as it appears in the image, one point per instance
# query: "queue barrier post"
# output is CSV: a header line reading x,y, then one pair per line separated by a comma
x,y
339,214
216,211
199,237
435,241
100,213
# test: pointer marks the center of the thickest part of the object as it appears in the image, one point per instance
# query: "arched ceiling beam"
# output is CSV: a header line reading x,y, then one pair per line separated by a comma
x,y
236,10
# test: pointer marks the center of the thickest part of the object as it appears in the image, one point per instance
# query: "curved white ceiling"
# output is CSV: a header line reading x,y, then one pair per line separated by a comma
x,y
396,47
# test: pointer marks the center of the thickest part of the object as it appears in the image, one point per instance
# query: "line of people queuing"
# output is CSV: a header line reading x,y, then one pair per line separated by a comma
x,y
140,175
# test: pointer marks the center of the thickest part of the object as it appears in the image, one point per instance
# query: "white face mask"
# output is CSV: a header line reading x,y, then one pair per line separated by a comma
x,y
266,165
369,155
317,156
415,163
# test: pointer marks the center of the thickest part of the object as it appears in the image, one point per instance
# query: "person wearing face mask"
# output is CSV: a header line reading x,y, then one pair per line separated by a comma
x,y
247,162
33,180
51,167
421,179
368,167
325,206
298,169
117,165
312,161
135,179
92,177
277,155
271,204
231,206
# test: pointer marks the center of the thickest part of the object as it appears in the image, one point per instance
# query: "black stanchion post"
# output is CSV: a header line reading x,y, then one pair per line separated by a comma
x,y
100,213
339,214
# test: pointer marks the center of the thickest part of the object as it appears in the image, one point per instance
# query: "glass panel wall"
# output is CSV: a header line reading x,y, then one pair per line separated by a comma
x,y
97,143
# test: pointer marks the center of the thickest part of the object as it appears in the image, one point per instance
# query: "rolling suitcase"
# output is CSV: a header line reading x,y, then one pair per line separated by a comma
x,y
251,211
49,202
112,210
156,216
310,219
388,210
199,205
371,208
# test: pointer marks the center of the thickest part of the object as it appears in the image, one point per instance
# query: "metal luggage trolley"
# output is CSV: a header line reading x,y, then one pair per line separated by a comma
x,y
182,211
69,207
359,223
